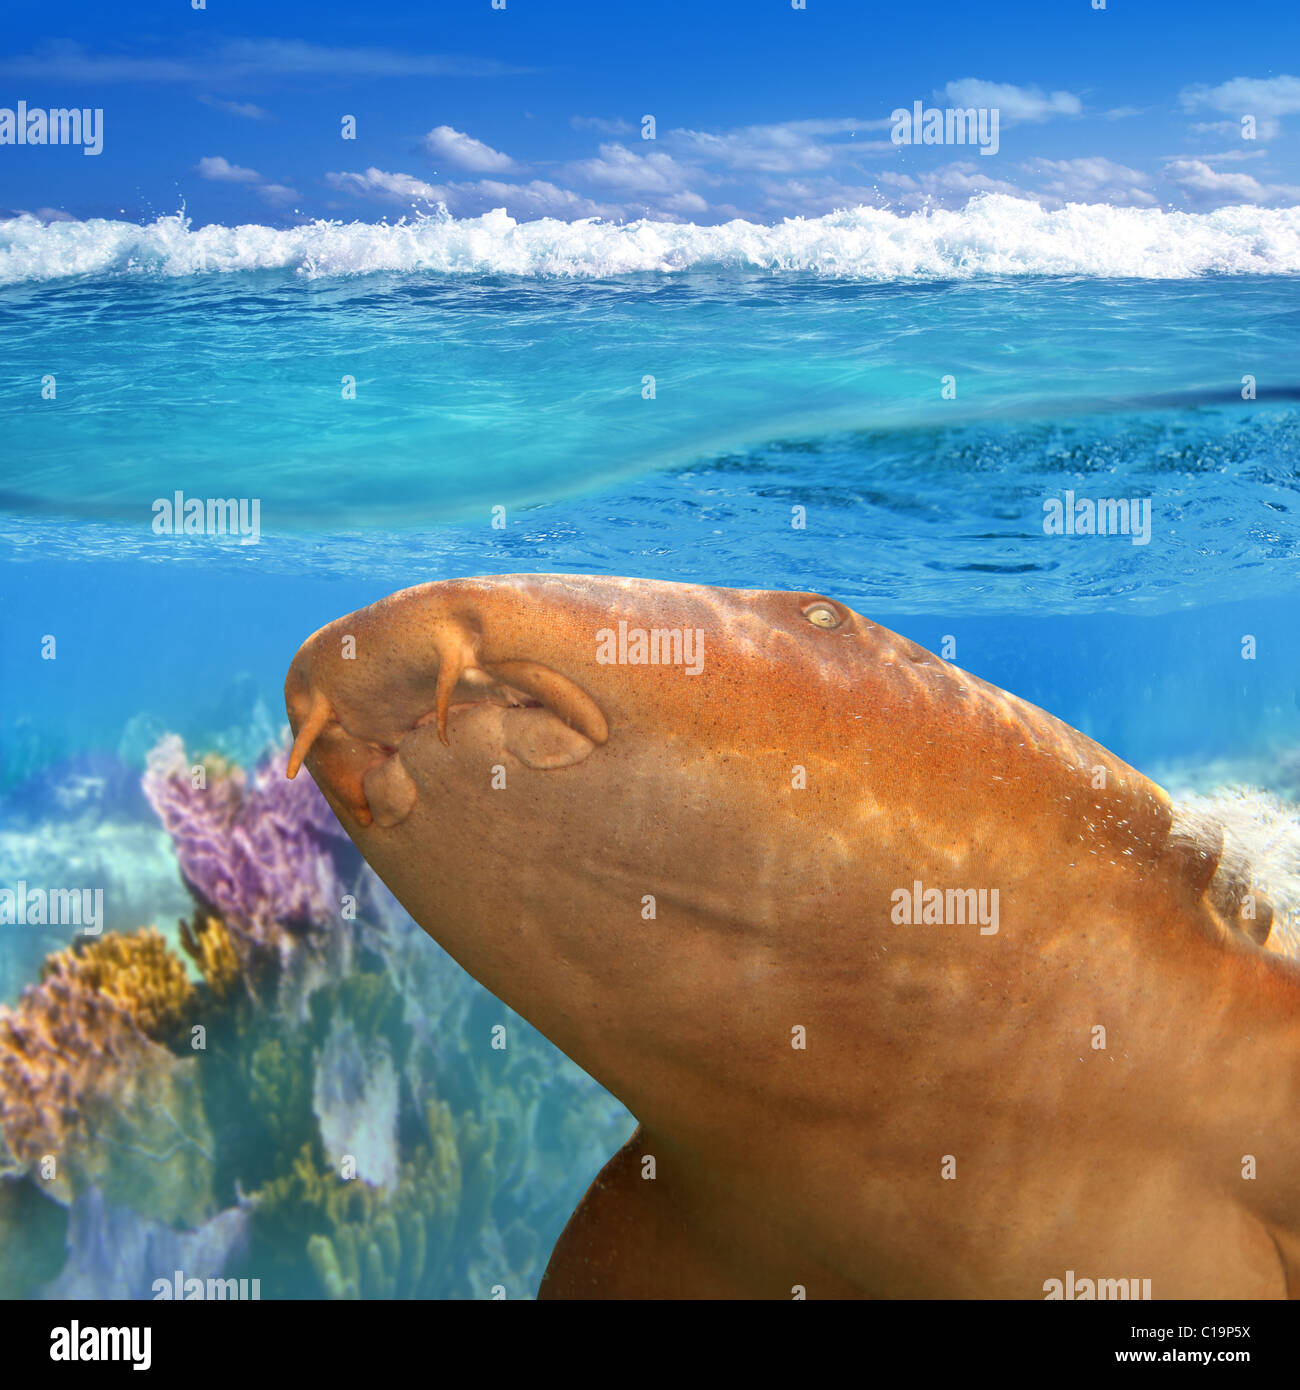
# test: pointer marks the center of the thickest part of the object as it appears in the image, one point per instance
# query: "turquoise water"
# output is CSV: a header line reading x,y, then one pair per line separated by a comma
x,y
811,393
417,399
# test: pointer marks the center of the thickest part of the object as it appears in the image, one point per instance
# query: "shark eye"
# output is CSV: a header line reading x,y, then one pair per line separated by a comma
x,y
822,615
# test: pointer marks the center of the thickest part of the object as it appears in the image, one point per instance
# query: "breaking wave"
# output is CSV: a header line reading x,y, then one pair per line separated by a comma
x,y
993,235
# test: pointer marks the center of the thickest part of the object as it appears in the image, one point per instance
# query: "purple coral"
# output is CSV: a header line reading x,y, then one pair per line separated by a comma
x,y
259,852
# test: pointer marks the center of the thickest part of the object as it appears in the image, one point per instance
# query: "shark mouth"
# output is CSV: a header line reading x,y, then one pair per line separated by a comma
x,y
522,707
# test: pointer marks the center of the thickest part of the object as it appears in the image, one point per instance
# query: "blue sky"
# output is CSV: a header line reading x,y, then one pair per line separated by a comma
x,y
761,110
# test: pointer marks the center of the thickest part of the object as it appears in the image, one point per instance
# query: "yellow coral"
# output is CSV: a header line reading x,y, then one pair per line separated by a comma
x,y
219,768
209,944
138,972
81,1036
57,1049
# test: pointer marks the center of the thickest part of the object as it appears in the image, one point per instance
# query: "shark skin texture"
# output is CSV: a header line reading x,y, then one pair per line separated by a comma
x,y
694,835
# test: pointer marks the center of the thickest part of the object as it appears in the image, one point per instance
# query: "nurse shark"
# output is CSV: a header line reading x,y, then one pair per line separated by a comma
x,y
914,990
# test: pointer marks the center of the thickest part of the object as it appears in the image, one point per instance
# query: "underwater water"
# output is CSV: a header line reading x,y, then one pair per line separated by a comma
x,y
871,407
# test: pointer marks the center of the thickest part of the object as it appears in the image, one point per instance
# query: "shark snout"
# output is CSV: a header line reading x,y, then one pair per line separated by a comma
x,y
388,678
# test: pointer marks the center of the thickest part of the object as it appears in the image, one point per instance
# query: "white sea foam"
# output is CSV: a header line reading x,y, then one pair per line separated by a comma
x,y
1264,830
993,235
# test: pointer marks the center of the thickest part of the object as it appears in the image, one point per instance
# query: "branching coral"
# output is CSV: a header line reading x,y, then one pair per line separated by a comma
x,y
361,1241
78,1034
89,1097
208,943
262,854
257,850
58,1048
137,972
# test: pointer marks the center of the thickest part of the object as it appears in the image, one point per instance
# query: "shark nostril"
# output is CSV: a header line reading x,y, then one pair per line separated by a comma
x,y
555,692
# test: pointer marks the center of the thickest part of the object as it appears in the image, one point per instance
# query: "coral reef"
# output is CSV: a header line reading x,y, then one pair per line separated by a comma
x,y
360,1241
89,785
324,1101
57,1050
264,854
87,1092
355,1101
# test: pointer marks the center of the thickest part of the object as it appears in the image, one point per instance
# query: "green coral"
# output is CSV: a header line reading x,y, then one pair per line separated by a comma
x,y
279,1075
29,1222
152,1147
359,1241
369,999
256,1075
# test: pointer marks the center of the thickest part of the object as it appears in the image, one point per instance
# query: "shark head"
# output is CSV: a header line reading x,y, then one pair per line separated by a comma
x,y
578,784
537,706
392,705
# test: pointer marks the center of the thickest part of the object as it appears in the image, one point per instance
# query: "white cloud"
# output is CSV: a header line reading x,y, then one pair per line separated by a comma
x,y
1212,187
813,197
957,181
1265,129
1265,98
272,57
1013,103
220,169
1229,156
621,168
601,125
467,153
685,203
239,58
536,198
1093,180
787,148
246,109
397,188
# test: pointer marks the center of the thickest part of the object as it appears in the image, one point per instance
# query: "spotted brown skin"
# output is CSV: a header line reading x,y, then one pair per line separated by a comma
x,y
769,806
